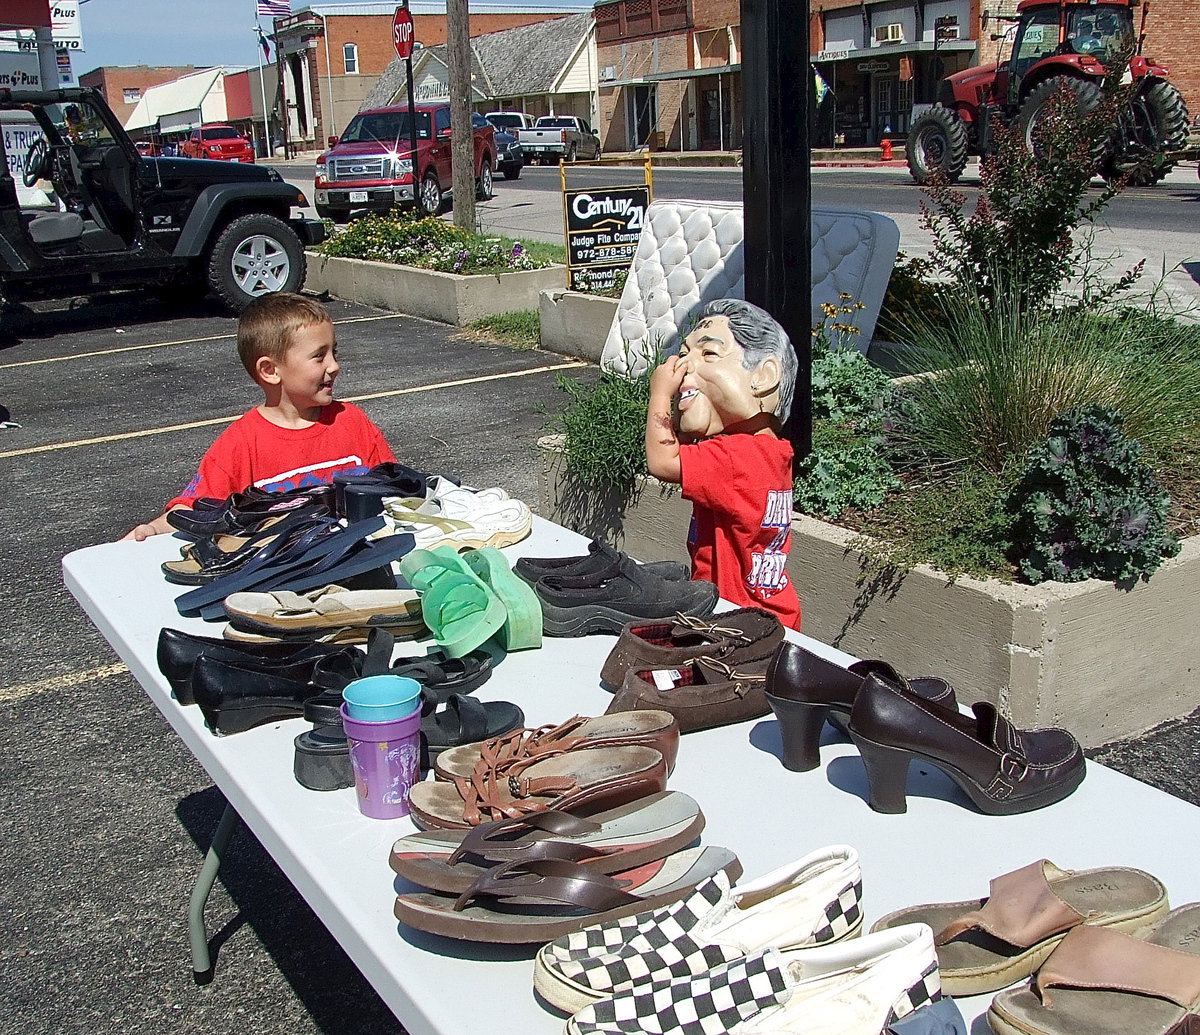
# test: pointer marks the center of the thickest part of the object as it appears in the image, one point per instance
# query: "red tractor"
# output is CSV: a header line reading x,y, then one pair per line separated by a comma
x,y
1055,42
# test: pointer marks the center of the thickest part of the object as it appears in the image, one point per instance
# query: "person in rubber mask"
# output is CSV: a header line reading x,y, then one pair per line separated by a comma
x,y
714,427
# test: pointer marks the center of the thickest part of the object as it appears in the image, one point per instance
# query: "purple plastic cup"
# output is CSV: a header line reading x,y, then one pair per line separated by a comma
x,y
386,760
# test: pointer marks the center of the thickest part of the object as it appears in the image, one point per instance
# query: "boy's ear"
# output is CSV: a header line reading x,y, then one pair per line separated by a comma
x,y
265,371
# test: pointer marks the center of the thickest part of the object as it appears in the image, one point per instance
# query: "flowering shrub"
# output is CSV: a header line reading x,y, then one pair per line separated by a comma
x,y
430,244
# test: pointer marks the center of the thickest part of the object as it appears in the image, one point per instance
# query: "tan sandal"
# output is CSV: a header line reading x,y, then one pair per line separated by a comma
x,y
649,728
580,782
1102,982
987,944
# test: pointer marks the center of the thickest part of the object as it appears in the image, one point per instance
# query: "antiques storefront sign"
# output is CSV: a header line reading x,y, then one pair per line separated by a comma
x,y
603,227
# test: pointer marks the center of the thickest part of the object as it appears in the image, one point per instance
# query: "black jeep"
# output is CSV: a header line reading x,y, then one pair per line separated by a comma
x,y
124,220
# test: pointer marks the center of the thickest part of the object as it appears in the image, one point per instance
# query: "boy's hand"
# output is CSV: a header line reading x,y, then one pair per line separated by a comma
x,y
667,377
140,532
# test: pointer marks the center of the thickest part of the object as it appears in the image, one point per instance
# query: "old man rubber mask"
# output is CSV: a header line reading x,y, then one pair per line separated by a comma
x,y
737,363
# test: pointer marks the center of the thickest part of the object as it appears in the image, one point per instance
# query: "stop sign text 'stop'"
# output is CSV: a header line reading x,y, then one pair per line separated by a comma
x,y
402,32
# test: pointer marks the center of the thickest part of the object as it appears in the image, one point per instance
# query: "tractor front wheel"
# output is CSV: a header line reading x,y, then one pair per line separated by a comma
x,y
937,146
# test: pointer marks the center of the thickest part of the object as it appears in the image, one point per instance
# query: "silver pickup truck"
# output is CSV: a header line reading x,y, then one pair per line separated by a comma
x,y
559,136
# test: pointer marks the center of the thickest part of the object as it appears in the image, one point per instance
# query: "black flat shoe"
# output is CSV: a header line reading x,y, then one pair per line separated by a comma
x,y
238,697
178,651
804,690
599,558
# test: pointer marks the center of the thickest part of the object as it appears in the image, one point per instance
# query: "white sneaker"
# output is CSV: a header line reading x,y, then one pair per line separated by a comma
x,y
814,901
438,488
460,519
855,988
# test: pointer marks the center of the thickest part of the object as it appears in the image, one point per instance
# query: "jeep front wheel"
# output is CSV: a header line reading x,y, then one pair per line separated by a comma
x,y
937,146
255,255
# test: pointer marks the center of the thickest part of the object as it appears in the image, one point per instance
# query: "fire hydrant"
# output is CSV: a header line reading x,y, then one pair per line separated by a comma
x,y
885,149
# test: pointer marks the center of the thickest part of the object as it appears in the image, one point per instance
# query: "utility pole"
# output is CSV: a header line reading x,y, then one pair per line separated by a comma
x,y
778,86
462,135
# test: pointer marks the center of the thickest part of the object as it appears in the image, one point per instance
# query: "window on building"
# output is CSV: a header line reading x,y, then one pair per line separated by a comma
x,y
350,58
131,94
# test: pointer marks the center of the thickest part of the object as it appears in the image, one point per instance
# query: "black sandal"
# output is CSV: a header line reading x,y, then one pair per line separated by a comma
x,y
463,720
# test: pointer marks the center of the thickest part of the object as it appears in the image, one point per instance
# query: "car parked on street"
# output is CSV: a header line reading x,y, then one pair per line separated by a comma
x,y
510,158
223,143
370,166
560,136
124,220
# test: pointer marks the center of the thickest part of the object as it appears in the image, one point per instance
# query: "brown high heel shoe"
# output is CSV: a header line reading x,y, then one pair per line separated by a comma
x,y
1002,769
804,689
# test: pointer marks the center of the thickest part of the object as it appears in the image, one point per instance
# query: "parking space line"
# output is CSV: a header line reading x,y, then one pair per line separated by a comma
x,y
415,390
10,694
165,344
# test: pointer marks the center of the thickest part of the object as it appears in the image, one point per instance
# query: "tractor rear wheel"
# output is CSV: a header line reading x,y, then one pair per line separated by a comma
x,y
1036,107
1154,128
937,146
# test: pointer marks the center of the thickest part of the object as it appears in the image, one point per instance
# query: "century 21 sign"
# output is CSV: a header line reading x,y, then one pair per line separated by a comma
x,y
603,227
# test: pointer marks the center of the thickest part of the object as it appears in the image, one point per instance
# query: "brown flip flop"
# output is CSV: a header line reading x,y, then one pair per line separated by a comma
x,y
546,899
987,944
1103,982
579,782
617,839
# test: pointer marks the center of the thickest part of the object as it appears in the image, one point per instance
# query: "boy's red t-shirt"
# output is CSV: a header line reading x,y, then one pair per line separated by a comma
x,y
741,492
253,451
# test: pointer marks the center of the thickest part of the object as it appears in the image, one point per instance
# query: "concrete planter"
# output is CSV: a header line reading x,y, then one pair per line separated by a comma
x,y
575,324
446,297
1101,662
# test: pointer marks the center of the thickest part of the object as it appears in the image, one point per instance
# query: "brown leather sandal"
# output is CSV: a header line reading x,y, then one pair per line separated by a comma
x,y
543,900
648,728
579,781
986,944
1102,982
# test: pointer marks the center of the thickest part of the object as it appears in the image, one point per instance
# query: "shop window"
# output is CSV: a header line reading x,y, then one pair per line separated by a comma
x,y
350,58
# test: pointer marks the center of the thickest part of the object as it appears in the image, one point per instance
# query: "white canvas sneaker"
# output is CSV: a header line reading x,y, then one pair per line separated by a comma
x,y
855,988
814,901
460,519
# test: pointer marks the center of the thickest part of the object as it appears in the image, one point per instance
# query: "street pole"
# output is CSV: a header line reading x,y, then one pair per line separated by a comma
x,y
262,90
462,135
777,87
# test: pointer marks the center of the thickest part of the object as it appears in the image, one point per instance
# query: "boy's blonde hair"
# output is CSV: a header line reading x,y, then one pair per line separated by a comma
x,y
268,324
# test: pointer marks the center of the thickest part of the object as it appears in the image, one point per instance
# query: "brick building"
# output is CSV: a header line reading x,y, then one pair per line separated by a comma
x,y
124,85
333,54
670,70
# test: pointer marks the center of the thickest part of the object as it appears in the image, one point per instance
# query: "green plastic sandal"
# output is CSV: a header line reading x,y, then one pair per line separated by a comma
x,y
459,608
523,627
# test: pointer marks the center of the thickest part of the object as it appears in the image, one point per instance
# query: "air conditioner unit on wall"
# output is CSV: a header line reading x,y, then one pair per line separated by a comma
x,y
891,33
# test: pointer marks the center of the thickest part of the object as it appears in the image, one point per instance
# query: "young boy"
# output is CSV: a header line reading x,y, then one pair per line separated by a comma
x,y
298,435
731,386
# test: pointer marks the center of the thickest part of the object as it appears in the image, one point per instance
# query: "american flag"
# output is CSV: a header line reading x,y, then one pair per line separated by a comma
x,y
274,8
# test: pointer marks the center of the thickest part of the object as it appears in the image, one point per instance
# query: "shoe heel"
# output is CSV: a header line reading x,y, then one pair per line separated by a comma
x,y
800,727
887,774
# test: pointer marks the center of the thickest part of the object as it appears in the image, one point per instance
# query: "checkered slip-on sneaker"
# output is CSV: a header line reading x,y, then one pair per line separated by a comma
x,y
815,901
856,988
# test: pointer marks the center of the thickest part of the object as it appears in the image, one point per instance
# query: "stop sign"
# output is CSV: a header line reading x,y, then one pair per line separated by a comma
x,y
402,32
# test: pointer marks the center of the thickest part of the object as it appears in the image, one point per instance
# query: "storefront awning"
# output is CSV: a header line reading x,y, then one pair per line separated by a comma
x,y
662,77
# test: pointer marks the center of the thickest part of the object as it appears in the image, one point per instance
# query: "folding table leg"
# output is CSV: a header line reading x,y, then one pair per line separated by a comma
x,y
202,968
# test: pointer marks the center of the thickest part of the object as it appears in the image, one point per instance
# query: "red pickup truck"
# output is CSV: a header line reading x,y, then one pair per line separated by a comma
x,y
224,143
370,165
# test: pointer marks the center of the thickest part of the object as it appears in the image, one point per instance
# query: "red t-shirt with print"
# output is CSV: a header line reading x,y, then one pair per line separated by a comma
x,y
253,451
741,492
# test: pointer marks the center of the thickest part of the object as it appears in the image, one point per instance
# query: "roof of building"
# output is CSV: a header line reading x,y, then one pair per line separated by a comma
x,y
517,62
183,94
439,7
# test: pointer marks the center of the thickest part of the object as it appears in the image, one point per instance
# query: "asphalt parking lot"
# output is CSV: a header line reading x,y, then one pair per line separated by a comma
x,y
107,815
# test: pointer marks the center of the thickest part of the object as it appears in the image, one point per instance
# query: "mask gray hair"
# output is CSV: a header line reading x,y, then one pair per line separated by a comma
x,y
760,336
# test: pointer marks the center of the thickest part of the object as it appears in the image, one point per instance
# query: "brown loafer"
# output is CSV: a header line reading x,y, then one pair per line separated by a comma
x,y
804,689
702,694
656,729
1002,769
734,637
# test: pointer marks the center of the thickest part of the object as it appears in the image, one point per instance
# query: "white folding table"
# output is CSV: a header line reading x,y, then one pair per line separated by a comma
x,y
940,850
